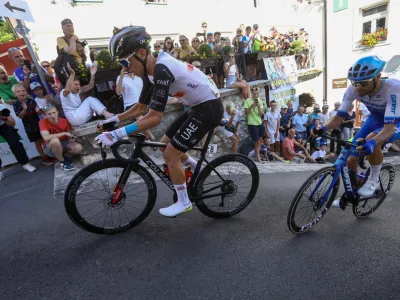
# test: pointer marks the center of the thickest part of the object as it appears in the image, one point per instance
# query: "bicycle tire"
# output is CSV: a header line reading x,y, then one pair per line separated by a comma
x,y
291,223
392,175
79,178
205,173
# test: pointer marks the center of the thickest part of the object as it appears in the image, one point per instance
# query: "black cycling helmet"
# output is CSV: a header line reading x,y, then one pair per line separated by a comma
x,y
127,39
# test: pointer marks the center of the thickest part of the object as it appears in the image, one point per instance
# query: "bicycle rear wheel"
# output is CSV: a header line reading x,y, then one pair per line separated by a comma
x,y
95,202
227,175
310,195
386,180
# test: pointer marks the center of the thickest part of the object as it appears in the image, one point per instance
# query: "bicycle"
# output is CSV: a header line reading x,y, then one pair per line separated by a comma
x,y
326,184
119,182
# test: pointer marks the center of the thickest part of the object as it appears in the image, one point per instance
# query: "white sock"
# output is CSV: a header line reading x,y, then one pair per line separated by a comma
x,y
375,170
191,162
183,196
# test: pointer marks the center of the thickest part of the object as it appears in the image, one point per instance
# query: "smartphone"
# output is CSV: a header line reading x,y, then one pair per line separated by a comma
x,y
27,63
176,45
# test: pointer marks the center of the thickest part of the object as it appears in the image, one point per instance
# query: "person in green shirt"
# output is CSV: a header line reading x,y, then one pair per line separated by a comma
x,y
254,108
6,84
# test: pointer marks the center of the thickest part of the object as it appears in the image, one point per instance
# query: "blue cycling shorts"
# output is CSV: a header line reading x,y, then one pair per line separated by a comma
x,y
372,124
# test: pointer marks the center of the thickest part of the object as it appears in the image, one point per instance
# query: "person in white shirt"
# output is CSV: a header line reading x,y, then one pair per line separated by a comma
x,y
130,87
76,111
230,130
324,115
333,112
41,99
320,155
364,112
272,121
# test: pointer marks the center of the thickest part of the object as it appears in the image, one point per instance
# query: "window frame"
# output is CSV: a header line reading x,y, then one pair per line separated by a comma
x,y
374,17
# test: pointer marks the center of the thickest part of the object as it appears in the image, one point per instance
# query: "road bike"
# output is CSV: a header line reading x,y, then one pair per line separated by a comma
x,y
120,193
319,191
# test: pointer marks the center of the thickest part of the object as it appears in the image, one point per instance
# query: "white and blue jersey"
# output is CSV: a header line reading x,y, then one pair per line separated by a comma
x,y
384,108
384,105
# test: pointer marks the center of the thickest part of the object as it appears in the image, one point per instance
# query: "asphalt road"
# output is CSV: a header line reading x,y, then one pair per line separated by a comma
x,y
43,255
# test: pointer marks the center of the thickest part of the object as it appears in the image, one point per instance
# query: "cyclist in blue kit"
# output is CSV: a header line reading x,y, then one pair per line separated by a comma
x,y
381,97
164,76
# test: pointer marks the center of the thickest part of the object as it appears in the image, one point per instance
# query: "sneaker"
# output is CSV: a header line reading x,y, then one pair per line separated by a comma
x,y
1,176
66,165
336,203
369,188
287,161
49,161
175,209
29,168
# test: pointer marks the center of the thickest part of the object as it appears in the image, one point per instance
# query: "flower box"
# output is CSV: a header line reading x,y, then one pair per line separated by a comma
x,y
104,75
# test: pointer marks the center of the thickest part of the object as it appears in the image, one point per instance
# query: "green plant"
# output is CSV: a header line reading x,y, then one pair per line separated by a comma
x,y
297,46
104,61
6,34
371,39
83,74
226,50
205,51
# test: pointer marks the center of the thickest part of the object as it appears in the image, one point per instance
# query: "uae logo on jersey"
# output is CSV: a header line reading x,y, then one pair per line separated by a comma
x,y
190,68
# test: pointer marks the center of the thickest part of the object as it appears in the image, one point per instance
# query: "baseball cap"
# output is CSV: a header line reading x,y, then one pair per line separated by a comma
x,y
255,26
284,106
297,136
34,85
66,21
325,106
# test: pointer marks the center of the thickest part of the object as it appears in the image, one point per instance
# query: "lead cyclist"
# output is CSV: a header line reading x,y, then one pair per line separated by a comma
x,y
161,77
381,97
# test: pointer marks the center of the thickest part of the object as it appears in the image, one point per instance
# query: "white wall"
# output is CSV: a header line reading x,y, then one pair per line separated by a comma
x,y
344,30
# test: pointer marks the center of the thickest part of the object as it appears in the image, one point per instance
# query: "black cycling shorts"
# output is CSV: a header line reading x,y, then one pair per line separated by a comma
x,y
186,131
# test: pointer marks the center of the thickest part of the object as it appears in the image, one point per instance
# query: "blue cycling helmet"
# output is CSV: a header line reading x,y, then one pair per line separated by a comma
x,y
366,68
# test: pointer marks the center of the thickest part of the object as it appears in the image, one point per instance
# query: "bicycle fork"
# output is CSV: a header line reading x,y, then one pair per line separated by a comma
x,y
119,187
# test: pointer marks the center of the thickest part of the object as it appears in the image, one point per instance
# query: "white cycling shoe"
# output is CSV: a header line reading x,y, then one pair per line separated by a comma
x,y
175,209
336,203
369,188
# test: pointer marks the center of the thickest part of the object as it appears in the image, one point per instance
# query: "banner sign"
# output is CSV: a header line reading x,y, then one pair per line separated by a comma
x,y
282,95
5,153
281,71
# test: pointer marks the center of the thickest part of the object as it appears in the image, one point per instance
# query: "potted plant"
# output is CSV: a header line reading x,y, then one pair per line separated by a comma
x,y
206,56
107,69
371,39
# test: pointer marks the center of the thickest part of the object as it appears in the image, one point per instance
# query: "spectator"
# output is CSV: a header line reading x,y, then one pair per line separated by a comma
x,y
210,40
336,133
249,40
230,130
168,45
76,111
320,156
204,31
288,148
49,67
130,87
185,50
324,116
364,112
254,110
27,110
220,66
267,153
290,108
6,84
70,44
195,44
233,78
300,123
41,100
11,136
257,38
239,38
59,141
157,47
348,124
285,122
272,121
24,74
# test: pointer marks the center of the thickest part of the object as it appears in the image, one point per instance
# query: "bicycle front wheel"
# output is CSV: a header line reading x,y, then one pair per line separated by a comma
x,y
226,186
96,201
308,206
386,180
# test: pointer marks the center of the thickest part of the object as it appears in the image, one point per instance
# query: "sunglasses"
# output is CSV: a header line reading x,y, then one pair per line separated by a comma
x,y
46,66
362,83
125,61
196,41
157,47
231,56
181,41
168,42
204,26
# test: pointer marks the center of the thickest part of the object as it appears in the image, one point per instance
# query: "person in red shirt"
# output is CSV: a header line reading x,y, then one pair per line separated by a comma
x,y
59,141
288,147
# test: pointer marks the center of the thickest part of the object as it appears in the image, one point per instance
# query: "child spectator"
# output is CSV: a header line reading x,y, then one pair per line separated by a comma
x,y
27,110
41,99
320,156
267,153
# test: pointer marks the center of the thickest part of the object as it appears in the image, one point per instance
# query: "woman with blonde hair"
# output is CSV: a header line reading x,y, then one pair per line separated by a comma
x,y
233,80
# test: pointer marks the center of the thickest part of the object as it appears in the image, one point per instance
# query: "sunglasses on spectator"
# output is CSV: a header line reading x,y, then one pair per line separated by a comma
x,y
204,26
46,66
125,61
231,56
363,83
181,41
157,47
196,41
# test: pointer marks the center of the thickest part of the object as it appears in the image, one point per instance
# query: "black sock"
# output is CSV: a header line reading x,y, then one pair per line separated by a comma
x,y
353,178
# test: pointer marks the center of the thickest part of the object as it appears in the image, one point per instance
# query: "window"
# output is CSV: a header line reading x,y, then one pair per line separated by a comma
x,y
374,18
161,2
